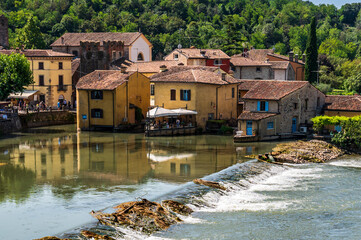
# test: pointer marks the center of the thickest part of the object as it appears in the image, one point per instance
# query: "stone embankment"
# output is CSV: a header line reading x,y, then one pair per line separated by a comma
x,y
315,151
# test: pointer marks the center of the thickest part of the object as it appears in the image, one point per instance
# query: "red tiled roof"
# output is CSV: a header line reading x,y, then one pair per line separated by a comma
x,y
269,89
343,103
285,58
37,53
256,116
75,65
208,53
193,74
259,54
279,64
74,39
242,61
102,80
152,66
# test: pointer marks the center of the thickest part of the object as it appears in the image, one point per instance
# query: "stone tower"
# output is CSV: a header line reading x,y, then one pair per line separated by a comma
x,y
4,34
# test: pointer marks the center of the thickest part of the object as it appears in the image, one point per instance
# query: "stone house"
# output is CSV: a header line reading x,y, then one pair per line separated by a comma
x,y
110,98
276,109
282,70
211,93
136,45
341,105
245,68
201,57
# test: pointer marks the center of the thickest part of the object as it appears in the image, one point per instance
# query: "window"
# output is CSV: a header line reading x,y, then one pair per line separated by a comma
x,y
318,101
41,80
120,54
258,69
185,169
62,156
22,158
295,105
172,167
42,98
175,56
232,92
210,116
43,158
217,62
306,103
75,53
60,65
185,95
152,89
114,55
96,94
61,80
140,57
270,125
97,113
41,65
98,147
172,94
262,106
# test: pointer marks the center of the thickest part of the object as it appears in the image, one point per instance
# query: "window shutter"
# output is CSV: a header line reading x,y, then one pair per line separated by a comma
x,y
181,94
266,106
258,106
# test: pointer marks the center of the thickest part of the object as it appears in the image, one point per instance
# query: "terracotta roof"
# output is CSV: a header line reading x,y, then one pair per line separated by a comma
x,y
246,115
180,68
193,75
73,39
270,89
285,58
243,61
208,53
37,53
152,66
75,65
343,103
102,80
259,54
279,64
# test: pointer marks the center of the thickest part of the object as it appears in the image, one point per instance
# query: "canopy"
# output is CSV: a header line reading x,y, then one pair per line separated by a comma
x,y
181,111
24,95
160,112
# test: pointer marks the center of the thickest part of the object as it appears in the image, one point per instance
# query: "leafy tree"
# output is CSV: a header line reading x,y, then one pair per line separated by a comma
x,y
30,35
311,66
15,74
353,83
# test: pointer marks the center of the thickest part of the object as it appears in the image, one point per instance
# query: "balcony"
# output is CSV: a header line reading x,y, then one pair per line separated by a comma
x,y
62,88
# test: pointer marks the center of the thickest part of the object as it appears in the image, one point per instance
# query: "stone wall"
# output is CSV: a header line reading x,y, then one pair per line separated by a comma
x,y
42,119
11,124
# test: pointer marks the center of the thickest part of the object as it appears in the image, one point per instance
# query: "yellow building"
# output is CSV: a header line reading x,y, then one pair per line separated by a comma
x,y
110,98
52,74
212,94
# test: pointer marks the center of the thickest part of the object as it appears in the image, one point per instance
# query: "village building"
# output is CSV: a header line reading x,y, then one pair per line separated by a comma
x,y
201,57
342,105
276,109
212,94
133,46
245,68
4,32
52,72
111,98
282,70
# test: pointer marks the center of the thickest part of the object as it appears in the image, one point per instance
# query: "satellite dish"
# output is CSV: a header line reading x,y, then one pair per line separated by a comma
x,y
179,46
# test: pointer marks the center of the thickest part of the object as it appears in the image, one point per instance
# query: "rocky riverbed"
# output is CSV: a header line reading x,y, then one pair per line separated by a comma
x,y
302,152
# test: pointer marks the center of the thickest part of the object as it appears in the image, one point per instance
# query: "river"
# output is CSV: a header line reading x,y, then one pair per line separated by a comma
x,y
51,178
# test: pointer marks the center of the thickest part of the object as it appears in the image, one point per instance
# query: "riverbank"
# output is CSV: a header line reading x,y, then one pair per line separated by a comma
x,y
315,151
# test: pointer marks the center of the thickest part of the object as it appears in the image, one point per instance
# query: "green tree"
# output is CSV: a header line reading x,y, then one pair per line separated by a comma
x,y
15,74
311,54
30,35
353,83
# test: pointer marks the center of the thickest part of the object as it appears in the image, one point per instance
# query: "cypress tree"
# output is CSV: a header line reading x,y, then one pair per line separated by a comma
x,y
311,66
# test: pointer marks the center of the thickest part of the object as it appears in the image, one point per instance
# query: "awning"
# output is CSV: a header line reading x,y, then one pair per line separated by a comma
x,y
24,95
181,111
160,112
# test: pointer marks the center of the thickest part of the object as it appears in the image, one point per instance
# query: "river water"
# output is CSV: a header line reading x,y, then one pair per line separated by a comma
x,y
51,178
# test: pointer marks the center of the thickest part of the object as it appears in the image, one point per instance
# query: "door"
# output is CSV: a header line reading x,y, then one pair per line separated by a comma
x,y
294,125
249,128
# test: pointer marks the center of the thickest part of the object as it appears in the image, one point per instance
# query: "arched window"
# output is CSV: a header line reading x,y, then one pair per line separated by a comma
x,y
140,57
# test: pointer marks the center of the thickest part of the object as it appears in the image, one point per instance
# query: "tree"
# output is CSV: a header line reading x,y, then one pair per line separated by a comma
x,y
30,35
15,74
311,66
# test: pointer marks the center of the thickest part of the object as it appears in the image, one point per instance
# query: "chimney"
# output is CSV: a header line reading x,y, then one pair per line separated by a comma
x,y
296,57
291,56
304,58
163,68
123,69
62,40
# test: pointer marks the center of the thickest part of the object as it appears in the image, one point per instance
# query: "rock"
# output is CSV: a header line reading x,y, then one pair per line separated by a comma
x,y
52,238
144,215
209,184
91,235
177,207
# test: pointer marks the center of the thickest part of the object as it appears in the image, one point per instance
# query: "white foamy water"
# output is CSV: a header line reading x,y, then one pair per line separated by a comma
x,y
347,163
261,192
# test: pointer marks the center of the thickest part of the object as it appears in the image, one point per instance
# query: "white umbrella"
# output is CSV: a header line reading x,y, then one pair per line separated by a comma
x,y
160,112
181,111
